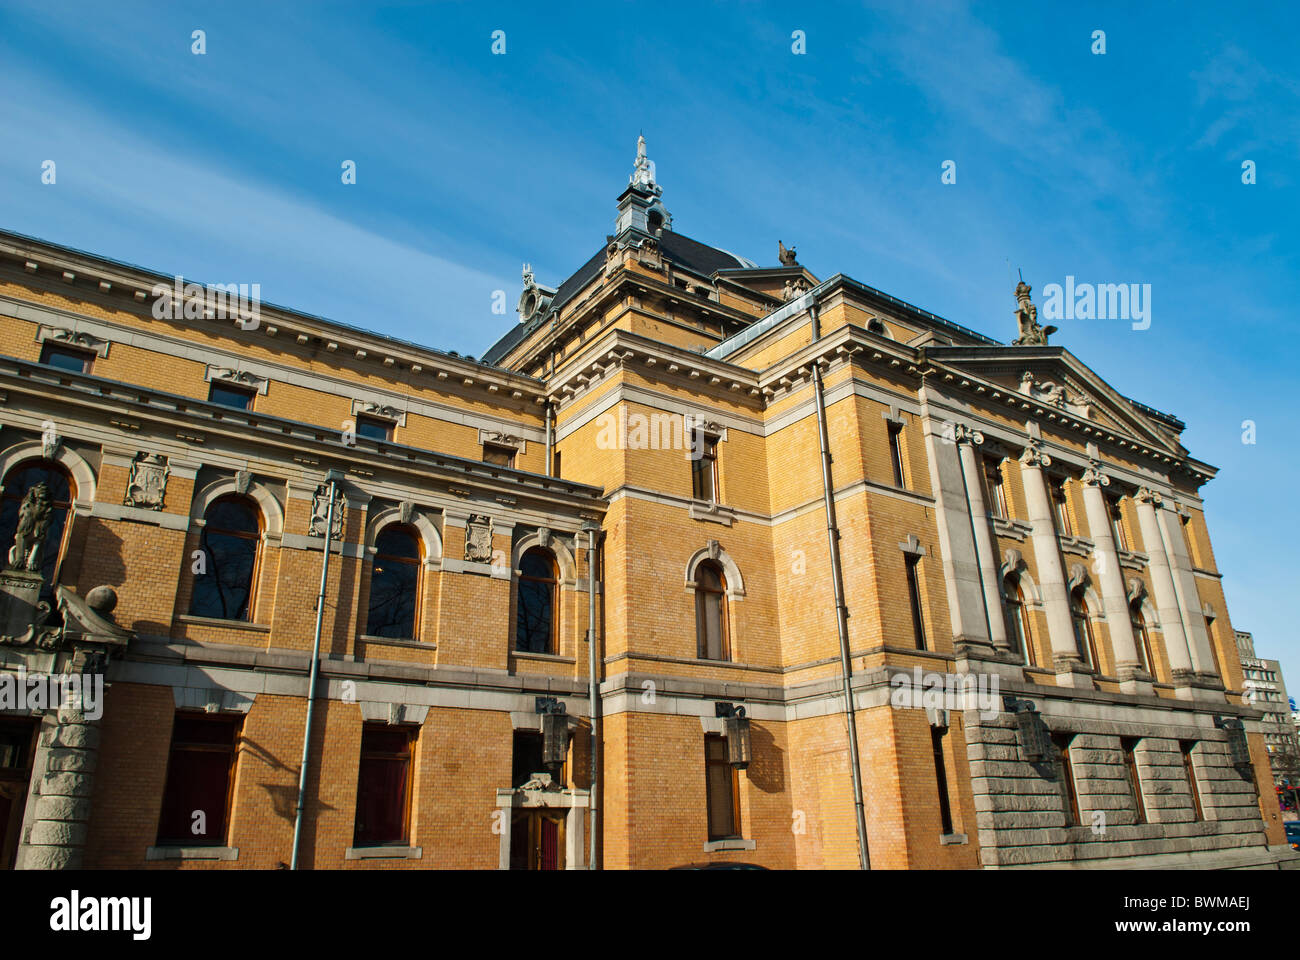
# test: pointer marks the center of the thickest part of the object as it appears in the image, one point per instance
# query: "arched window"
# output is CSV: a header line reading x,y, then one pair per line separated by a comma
x,y
1084,640
395,584
59,490
223,585
538,588
711,612
1018,622
1143,637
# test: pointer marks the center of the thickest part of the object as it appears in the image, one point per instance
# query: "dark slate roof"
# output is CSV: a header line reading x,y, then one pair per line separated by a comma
x,y
682,250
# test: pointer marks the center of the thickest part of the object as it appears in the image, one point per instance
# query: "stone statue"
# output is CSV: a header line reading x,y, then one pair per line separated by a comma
x,y
1031,334
786,255
34,517
643,174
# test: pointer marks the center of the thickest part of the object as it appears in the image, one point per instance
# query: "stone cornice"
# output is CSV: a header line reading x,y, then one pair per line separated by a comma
x,y
126,288
607,291
158,417
660,361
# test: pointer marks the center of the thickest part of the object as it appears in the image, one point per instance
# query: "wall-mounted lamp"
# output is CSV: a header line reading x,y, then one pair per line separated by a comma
x,y
736,725
555,731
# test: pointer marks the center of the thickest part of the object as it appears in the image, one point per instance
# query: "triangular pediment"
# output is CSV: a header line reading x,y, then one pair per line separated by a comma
x,y
1052,377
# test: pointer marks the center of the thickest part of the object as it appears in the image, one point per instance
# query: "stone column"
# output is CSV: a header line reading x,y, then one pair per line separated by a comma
x,y
967,440
1051,572
57,839
1162,585
1189,599
1113,595
64,770
961,575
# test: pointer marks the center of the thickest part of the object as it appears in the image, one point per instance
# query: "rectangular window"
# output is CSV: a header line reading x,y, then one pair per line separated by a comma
x,y
896,452
704,468
200,774
911,561
1129,746
1189,771
375,429
384,786
1064,527
499,455
722,788
66,358
236,398
555,461
941,776
1117,524
995,491
1070,795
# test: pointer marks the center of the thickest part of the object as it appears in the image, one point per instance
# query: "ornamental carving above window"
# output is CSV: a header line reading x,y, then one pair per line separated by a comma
x,y
147,485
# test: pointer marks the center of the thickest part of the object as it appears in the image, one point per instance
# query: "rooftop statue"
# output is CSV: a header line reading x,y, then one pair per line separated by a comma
x,y
1031,334
786,255
643,174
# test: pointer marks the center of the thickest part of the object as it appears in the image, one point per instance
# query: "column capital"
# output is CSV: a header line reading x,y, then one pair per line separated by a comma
x,y
1092,475
1147,495
965,433
1033,455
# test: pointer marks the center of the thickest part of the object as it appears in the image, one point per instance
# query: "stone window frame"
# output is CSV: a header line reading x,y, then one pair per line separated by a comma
x,y
376,410
214,373
83,474
913,553
1137,596
272,520
1079,580
1014,567
75,339
734,593
430,540
714,434
894,427
567,583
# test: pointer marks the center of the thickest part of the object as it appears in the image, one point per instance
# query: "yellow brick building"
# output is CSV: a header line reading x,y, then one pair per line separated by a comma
x,y
1038,650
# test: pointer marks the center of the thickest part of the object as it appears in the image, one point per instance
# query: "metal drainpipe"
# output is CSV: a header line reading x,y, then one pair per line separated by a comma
x,y
841,611
315,669
592,693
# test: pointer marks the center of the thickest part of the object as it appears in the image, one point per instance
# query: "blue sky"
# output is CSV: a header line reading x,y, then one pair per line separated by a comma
x,y
1124,167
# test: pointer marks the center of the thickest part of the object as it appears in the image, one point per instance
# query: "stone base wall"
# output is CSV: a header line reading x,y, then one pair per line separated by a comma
x,y
1021,806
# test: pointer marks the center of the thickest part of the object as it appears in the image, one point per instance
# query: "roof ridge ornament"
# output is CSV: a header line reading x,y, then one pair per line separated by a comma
x,y
1031,334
